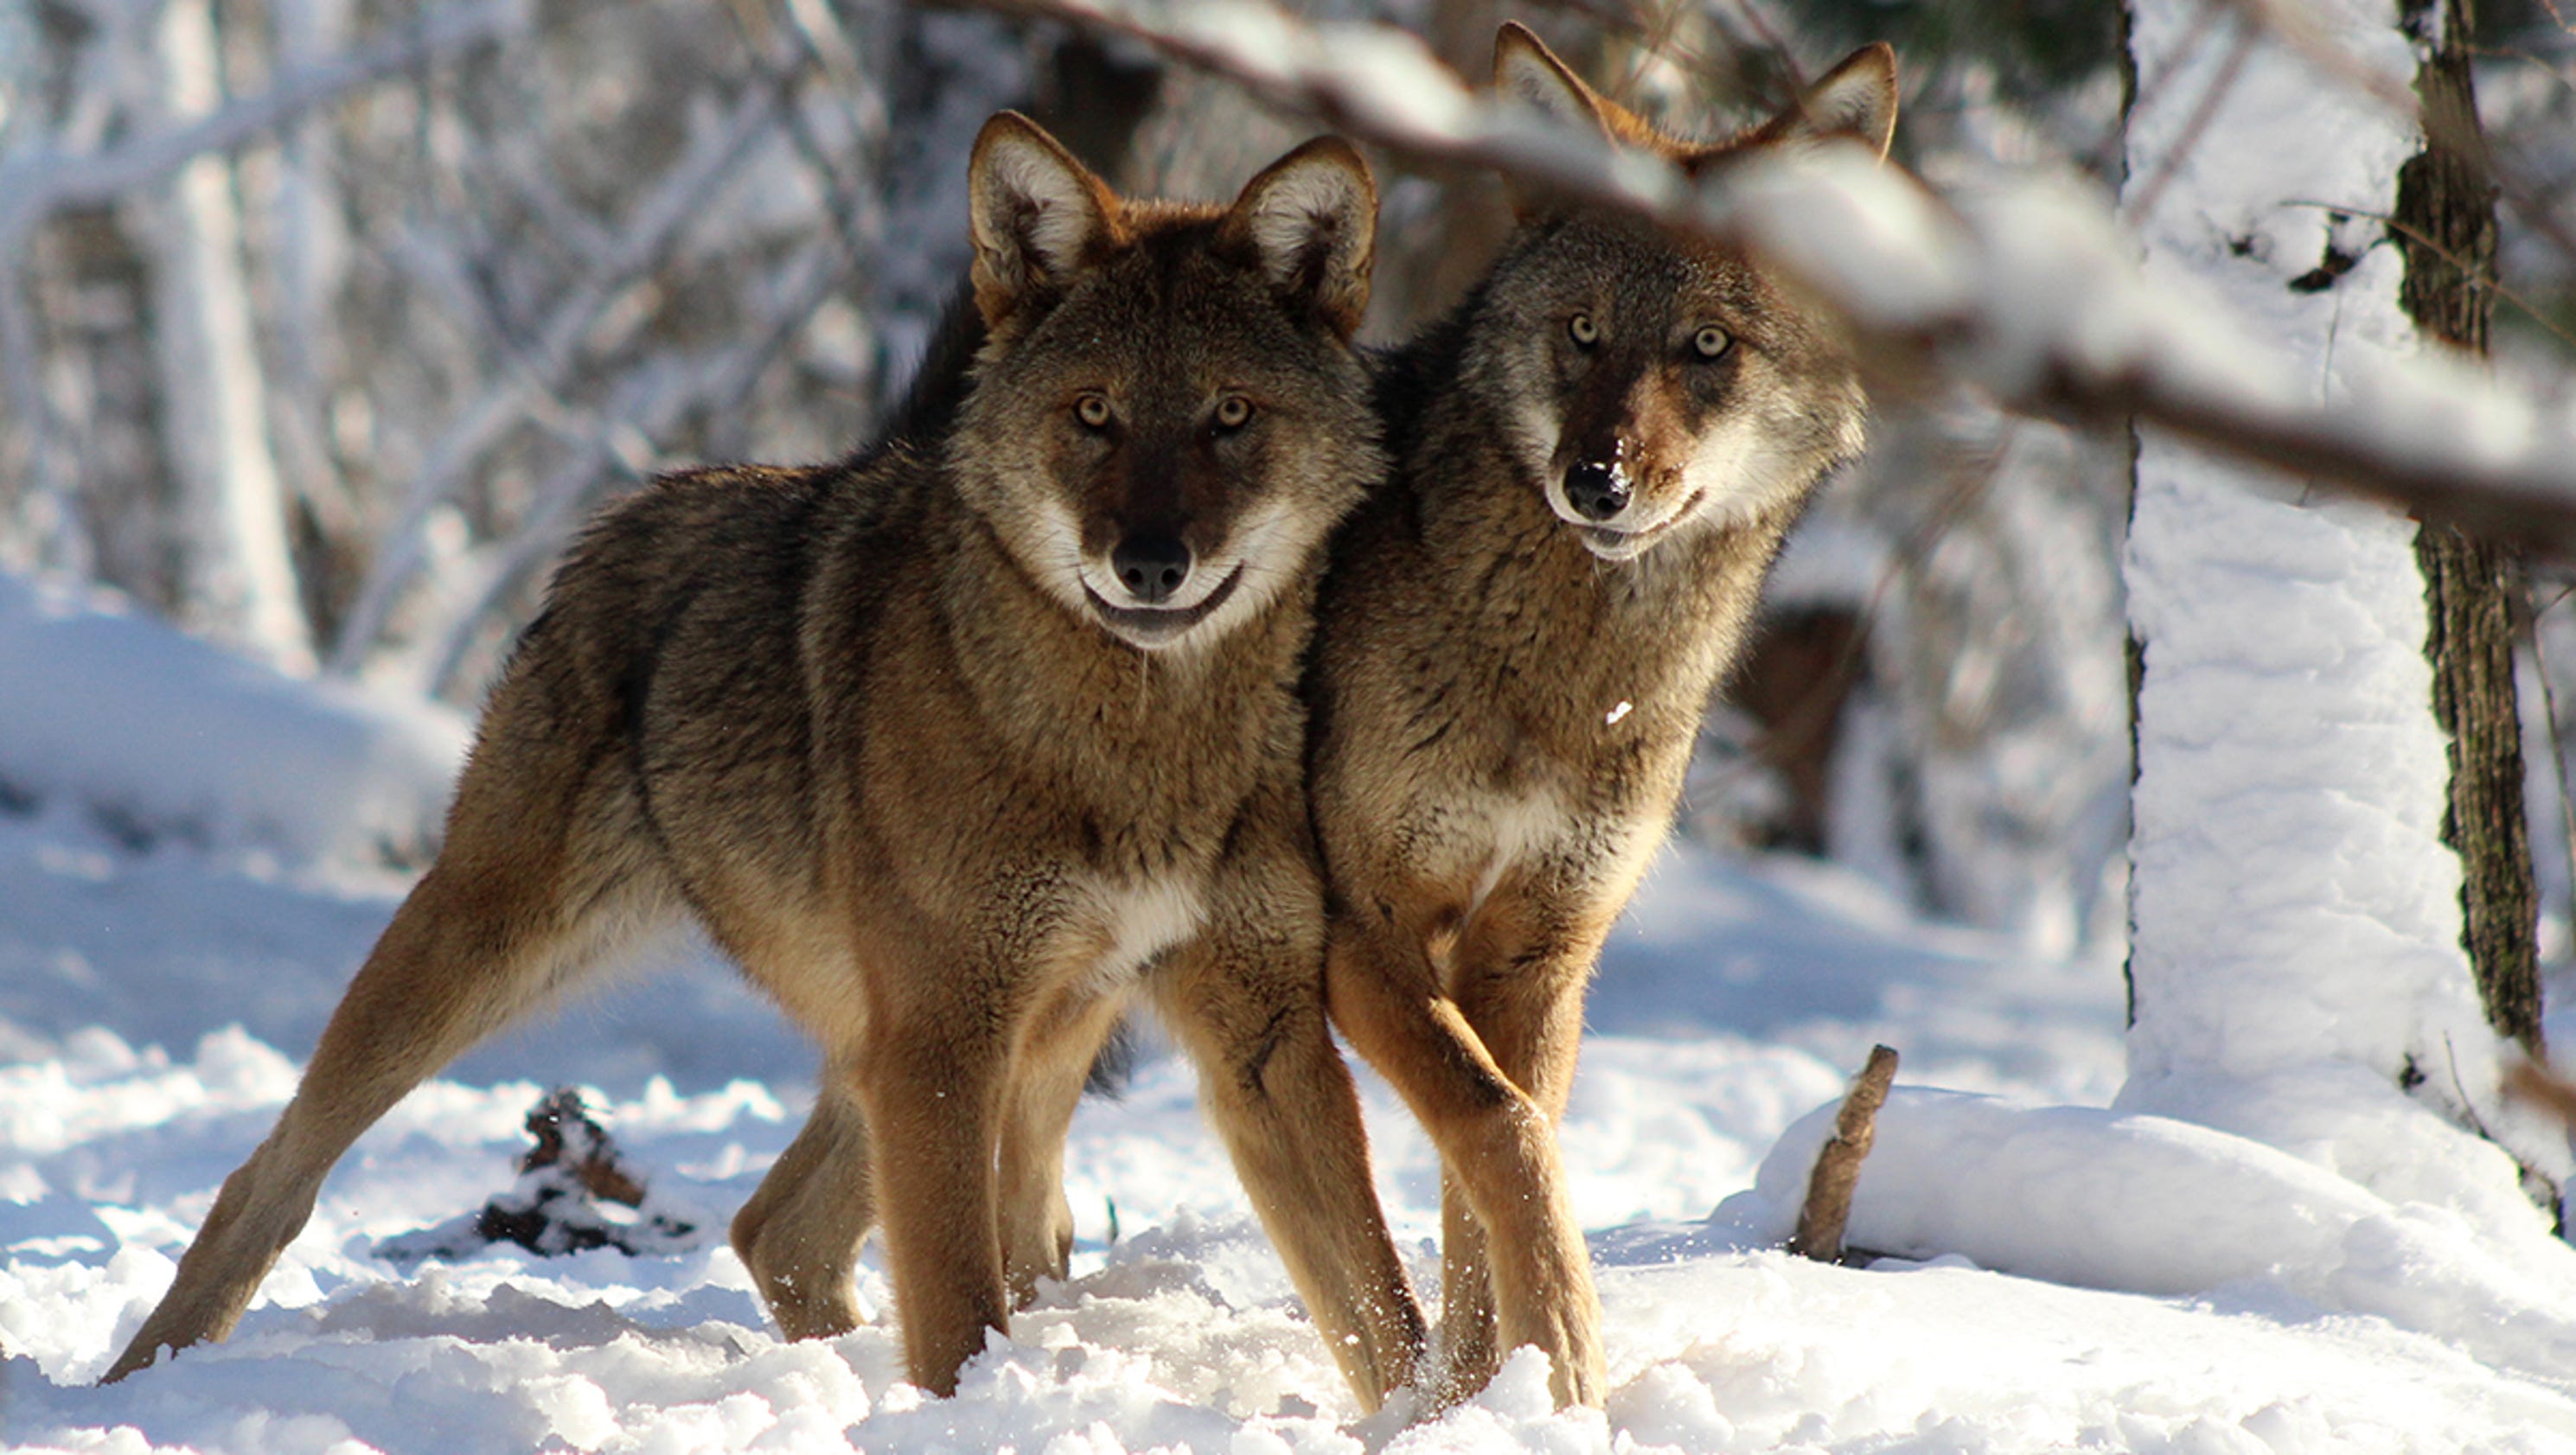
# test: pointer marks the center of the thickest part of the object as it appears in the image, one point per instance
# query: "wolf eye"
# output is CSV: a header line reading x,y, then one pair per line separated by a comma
x,y
1583,330
1233,412
1093,410
1710,342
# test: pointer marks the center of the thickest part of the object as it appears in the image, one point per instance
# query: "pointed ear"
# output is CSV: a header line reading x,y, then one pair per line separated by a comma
x,y
1526,71
1036,215
1855,99
1311,220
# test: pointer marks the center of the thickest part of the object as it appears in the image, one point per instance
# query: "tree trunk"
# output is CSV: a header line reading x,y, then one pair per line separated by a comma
x,y
237,577
2299,959
2446,228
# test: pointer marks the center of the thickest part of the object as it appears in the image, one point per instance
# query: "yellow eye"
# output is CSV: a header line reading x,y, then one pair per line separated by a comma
x,y
1712,341
1233,412
1583,331
1093,410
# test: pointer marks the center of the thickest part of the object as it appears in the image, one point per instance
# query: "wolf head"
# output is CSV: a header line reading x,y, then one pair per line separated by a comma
x,y
1653,386
1168,417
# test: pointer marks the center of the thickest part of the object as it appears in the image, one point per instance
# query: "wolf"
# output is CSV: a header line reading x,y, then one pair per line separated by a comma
x,y
1596,455
958,749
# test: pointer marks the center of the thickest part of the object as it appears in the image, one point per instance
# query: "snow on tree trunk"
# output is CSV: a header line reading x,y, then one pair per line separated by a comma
x,y
238,576
2296,961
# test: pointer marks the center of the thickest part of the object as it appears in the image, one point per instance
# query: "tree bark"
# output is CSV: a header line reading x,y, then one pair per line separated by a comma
x,y
2446,228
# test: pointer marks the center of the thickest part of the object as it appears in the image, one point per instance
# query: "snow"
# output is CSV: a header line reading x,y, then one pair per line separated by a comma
x,y
252,756
2089,1197
2066,1275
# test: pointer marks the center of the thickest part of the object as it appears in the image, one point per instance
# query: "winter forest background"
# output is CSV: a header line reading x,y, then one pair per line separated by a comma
x,y
323,324
326,323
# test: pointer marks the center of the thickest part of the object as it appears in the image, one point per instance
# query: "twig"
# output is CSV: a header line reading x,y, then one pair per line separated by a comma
x,y
1830,1186
2433,245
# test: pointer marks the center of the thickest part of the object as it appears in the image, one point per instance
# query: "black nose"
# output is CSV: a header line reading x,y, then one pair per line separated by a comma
x,y
1151,565
1595,490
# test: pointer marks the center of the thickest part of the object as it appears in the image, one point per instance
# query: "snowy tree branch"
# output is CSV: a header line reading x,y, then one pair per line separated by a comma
x,y
2030,293
39,179
657,223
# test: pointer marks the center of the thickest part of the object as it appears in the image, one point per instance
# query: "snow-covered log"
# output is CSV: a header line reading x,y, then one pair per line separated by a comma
x,y
2150,1204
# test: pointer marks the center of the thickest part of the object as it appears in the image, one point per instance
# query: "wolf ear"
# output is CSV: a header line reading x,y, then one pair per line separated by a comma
x,y
1036,214
1526,71
1855,99
1310,218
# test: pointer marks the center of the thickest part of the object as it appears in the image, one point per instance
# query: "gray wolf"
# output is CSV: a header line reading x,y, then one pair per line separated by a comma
x,y
958,748
1596,456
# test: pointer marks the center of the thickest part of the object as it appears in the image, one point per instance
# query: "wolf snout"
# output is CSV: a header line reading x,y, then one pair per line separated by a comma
x,y
1596,489
1151,565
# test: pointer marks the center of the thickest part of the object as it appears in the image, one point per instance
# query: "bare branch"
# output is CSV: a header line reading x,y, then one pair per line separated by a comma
x,y
598,461
534,379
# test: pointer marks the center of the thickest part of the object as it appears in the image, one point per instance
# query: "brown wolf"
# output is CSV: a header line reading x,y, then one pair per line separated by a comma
x,y
1596,456
957,749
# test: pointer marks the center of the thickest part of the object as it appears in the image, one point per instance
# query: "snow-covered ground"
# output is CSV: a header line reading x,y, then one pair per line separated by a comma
x,y
2136,1283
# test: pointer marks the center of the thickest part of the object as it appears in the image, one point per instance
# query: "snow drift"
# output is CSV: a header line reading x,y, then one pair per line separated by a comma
x,y
155,735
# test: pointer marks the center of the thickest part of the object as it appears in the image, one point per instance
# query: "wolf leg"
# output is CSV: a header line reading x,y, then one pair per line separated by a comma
x,y
500,921
1518,976
1247,1002
1469,1355
931,1089
1046,1086
1497,1145
800,1232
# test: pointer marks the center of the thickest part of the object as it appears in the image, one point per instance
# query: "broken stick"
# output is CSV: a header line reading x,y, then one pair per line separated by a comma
x,y
1829,1187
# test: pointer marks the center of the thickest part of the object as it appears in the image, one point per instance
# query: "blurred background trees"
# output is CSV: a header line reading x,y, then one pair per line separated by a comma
x,y
323,324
